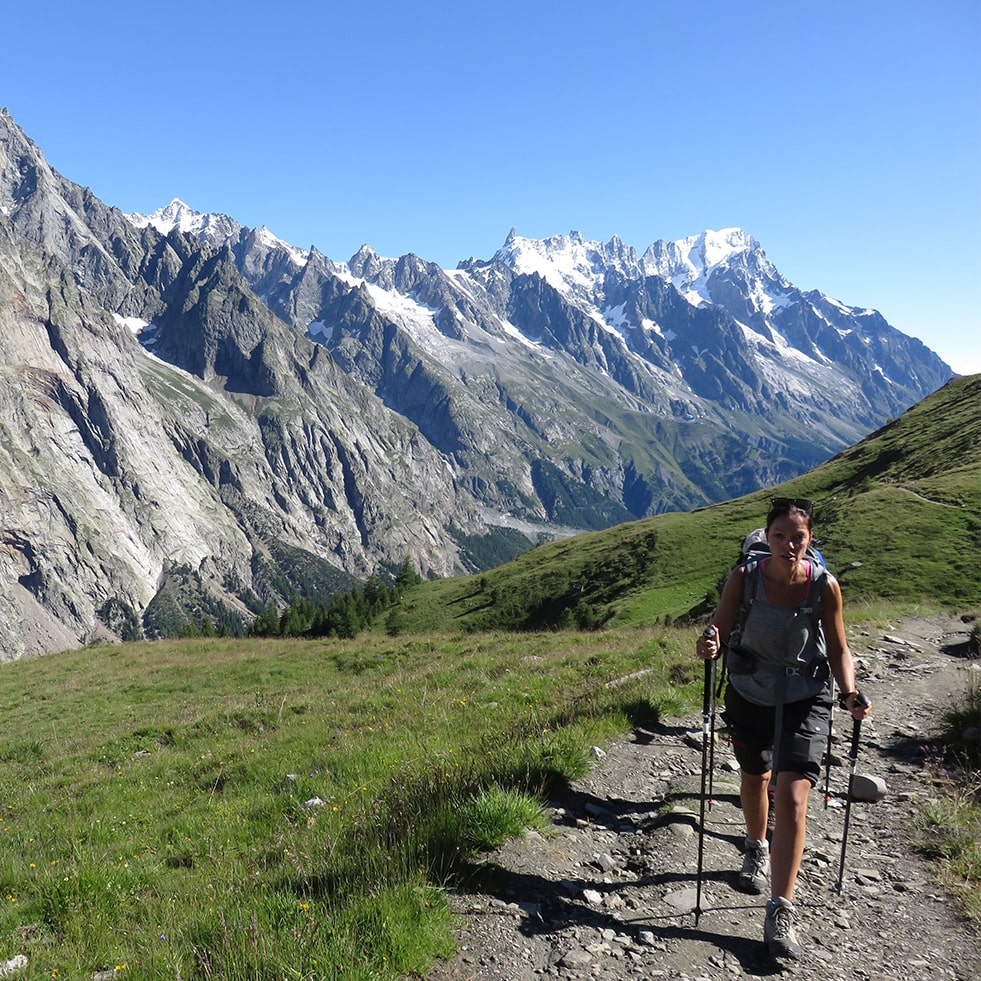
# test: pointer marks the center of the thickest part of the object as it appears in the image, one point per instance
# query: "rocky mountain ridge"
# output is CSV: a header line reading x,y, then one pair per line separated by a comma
x,y
200,419
565,348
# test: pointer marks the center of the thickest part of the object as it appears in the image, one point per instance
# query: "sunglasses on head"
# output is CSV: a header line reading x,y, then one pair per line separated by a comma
x,y
785,503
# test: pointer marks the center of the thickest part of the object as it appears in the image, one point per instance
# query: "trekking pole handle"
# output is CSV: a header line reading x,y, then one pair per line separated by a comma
x,y
860,699
711,632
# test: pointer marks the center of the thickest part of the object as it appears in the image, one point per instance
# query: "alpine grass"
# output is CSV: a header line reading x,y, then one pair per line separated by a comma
x,y
266,809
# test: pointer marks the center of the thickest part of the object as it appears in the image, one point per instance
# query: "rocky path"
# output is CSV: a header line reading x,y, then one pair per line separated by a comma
x,y
608,891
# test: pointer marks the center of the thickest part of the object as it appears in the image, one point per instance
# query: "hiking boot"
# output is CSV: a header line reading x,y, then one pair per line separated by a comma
x,y
754,874
778,929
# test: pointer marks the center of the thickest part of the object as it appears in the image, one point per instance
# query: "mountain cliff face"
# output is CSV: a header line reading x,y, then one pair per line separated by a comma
x,y
194,409
240,454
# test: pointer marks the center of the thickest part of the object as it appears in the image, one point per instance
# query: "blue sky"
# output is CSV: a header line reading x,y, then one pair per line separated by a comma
x,y
844,136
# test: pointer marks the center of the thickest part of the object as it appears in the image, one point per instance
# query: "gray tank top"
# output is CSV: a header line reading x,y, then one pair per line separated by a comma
x,y
786,643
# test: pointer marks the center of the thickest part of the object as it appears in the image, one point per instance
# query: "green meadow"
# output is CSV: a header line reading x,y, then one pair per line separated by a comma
x,y
290,808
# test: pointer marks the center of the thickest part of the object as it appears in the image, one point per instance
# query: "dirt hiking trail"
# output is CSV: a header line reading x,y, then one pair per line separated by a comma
x,y
608,892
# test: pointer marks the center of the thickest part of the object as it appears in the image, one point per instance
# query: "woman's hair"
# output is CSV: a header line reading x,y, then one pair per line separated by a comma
x,y
780,506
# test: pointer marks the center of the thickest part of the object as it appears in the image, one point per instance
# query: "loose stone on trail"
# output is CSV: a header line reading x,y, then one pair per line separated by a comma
x,y
868,789
575,958
684,900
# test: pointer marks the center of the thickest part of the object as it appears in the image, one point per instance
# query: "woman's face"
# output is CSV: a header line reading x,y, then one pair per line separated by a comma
x,y
788,537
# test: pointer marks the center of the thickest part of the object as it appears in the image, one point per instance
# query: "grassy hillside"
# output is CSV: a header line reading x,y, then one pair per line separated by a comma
x,y
898,517
288,809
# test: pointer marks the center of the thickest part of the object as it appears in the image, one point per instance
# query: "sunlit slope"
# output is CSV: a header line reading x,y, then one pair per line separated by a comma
x,y
898,517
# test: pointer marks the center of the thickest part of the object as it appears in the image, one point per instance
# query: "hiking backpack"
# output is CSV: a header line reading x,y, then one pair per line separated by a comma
x,y
755,549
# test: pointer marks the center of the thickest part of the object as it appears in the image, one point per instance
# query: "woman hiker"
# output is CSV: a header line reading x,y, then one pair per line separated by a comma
x,y
780,654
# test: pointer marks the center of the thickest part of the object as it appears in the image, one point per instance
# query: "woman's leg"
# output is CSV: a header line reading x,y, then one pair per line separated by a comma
x,y
755,799
789,832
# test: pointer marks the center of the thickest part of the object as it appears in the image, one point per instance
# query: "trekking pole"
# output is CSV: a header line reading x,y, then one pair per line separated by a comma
x,y
827,751
707,697
860,699
711,759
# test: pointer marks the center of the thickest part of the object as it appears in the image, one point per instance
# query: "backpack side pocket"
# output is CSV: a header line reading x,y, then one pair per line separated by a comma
x,y
739,661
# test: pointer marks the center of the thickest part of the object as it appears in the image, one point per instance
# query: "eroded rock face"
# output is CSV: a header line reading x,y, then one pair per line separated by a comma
x,y
116,466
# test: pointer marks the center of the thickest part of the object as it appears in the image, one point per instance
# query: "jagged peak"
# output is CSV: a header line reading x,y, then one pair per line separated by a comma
x,y
216,228
184,218
700,253
566,260
176,208
692,263
368,264
364,254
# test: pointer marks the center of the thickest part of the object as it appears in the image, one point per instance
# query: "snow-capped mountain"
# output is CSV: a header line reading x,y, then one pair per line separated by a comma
x,y
689,263
219,419
210,228
567,343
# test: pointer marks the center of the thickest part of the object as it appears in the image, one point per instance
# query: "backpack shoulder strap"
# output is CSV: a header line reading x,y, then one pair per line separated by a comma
x,y
752,570
751,579
815,591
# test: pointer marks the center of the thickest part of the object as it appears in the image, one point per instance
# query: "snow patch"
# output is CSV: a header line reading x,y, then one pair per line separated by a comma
x,y
616,318
135,325
652,326
416,318
532,345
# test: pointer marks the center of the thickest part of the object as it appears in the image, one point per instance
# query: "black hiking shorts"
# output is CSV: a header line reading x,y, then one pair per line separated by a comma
x,y
803,737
